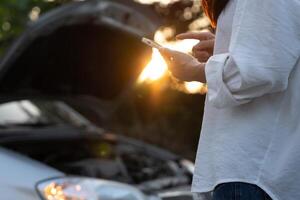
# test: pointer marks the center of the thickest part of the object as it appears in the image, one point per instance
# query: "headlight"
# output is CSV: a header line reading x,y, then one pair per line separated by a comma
x,y
76,188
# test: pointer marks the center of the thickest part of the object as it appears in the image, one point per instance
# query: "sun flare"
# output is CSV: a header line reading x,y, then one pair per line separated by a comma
x,y
157,68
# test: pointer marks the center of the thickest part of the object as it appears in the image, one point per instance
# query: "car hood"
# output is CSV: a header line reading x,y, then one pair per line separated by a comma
x,y
20,174
80,48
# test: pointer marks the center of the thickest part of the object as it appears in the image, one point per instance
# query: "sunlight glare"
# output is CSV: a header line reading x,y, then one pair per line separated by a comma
x,y
193,87
157,67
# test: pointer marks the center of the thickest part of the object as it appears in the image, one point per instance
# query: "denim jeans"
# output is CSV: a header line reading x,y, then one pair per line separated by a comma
x,y
239,191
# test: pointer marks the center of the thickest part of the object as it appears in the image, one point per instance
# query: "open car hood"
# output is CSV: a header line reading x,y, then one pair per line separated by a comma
x,y
90,47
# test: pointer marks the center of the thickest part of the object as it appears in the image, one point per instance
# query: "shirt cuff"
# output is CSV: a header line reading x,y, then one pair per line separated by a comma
x,y
218,94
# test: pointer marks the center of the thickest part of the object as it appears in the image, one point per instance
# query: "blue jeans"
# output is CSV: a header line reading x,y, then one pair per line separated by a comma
x,y
239,191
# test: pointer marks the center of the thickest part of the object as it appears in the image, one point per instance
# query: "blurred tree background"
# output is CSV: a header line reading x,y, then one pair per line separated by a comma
x,y
15,14
173,119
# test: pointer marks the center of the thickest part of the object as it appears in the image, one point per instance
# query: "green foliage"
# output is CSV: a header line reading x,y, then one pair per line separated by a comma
x,y
15,14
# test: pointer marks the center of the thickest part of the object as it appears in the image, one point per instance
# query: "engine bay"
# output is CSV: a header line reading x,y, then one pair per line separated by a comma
x,y
110,158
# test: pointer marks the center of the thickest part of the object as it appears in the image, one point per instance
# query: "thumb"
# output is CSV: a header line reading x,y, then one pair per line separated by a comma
x,y
166,53
196,35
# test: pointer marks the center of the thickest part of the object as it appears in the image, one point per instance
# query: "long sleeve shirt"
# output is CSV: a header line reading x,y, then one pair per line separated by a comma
x,y
251,125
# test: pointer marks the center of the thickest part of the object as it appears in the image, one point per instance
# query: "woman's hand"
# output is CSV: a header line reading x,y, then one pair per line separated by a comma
x,y
183,66
204,49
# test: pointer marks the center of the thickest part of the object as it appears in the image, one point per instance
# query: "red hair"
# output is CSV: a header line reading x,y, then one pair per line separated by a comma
x,y
213,8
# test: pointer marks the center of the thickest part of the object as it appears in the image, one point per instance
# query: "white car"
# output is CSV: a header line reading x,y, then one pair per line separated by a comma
x,y
57,91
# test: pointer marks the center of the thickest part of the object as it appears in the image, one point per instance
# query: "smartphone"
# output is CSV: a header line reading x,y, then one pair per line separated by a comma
x,y
151,43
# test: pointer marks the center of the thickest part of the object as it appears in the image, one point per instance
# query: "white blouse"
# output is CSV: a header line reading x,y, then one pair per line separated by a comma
x,y
251,125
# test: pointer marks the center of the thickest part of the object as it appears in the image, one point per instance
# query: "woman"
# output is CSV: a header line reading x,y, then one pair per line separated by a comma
x,y
249,147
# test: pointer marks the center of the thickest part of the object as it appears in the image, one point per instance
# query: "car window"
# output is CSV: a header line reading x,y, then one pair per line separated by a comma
x,y
39,113
18,112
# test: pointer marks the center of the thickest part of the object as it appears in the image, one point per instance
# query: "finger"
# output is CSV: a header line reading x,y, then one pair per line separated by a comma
x,y
197,36
204,45
202,56
165,52
172,54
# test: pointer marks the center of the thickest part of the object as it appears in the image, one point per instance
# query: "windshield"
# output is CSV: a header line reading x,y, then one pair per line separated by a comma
x,y
39,113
